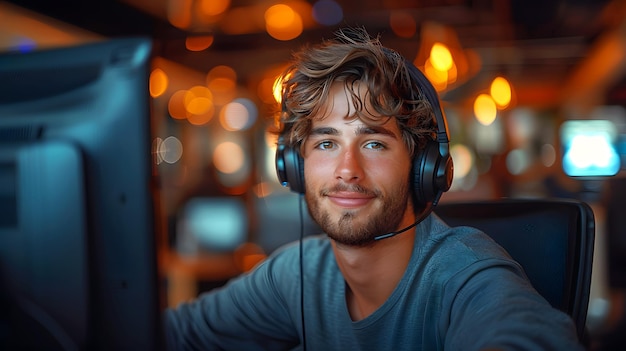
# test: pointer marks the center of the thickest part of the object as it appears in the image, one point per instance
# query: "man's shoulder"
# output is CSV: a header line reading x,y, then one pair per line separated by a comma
x,y
462,244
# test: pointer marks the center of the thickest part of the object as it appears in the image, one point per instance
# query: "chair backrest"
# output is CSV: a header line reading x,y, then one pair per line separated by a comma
x,y
553,240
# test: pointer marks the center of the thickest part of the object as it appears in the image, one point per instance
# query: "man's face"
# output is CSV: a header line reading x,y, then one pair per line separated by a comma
x,y
357,175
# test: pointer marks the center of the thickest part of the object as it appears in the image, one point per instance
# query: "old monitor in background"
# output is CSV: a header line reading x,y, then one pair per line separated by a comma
x,y
77,215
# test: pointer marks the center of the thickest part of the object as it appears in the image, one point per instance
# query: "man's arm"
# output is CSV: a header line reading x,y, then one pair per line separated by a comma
x,y
495,307
251,312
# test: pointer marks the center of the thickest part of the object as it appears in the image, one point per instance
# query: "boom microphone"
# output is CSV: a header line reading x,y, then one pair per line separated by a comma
x,y
423,215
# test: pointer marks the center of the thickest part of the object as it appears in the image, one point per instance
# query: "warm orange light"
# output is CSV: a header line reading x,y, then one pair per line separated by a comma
x,y
453,73
265,90
282,22
176,105
203,118
501,92
198,100
248,255
277,89
158,82
279,16
222,81
198,105
440,57
198,43
213,7
224,90
485,109
179,13
221,71
438,78
440,45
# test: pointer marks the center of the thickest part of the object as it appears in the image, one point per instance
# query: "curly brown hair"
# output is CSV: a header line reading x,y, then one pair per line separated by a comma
x,y
353,57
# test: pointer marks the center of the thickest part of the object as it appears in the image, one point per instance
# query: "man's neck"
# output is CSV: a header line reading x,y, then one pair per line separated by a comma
x,y
372,273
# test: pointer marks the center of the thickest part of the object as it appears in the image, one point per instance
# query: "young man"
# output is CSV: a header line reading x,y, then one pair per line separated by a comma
x,y
387,275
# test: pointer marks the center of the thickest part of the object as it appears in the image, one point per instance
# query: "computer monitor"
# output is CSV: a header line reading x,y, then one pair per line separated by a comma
x,y
77,203
590,148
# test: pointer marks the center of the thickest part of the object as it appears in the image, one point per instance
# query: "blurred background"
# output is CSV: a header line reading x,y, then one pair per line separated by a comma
x,y
534,92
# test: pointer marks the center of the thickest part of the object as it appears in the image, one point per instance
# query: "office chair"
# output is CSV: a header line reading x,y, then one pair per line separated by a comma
x,y
553,240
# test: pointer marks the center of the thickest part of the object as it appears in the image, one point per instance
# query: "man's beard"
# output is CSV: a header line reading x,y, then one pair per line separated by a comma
x,y
360,229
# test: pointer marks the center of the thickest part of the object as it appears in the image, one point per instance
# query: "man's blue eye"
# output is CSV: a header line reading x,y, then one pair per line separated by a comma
x,y
374,145
325,145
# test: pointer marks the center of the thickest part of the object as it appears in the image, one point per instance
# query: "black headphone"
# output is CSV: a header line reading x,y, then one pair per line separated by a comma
x,y
432,166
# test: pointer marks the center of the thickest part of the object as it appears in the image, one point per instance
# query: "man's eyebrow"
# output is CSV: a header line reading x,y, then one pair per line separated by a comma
x,y
375,130
361,130
324,131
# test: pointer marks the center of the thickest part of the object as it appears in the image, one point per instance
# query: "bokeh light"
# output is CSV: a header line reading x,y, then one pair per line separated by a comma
x,y
463,160
179,13
228,157
198,42
438,78
213,7
158,82
485,109
199,104
327,12
176,105
282,22
501,92
240,114
168,150
216,223
440,57
518,161
198,100
222,81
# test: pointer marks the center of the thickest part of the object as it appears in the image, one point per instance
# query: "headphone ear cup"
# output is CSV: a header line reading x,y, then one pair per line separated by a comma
x,y
290,167
432,174
432,166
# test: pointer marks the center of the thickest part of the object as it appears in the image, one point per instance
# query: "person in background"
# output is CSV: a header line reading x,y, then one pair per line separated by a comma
x,y
363,138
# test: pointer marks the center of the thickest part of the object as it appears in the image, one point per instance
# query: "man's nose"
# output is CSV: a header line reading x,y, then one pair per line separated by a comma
x,y
349,166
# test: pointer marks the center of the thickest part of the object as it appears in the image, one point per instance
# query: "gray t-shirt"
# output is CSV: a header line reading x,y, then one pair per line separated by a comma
x,y
461,291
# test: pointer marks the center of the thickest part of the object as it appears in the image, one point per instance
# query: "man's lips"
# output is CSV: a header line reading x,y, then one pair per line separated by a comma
x,y
349,199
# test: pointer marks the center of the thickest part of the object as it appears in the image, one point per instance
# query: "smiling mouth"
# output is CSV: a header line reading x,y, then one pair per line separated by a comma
x,y
350,199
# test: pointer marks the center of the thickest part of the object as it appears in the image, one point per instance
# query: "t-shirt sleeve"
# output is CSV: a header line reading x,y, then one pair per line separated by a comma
x,y
251,312
493,306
